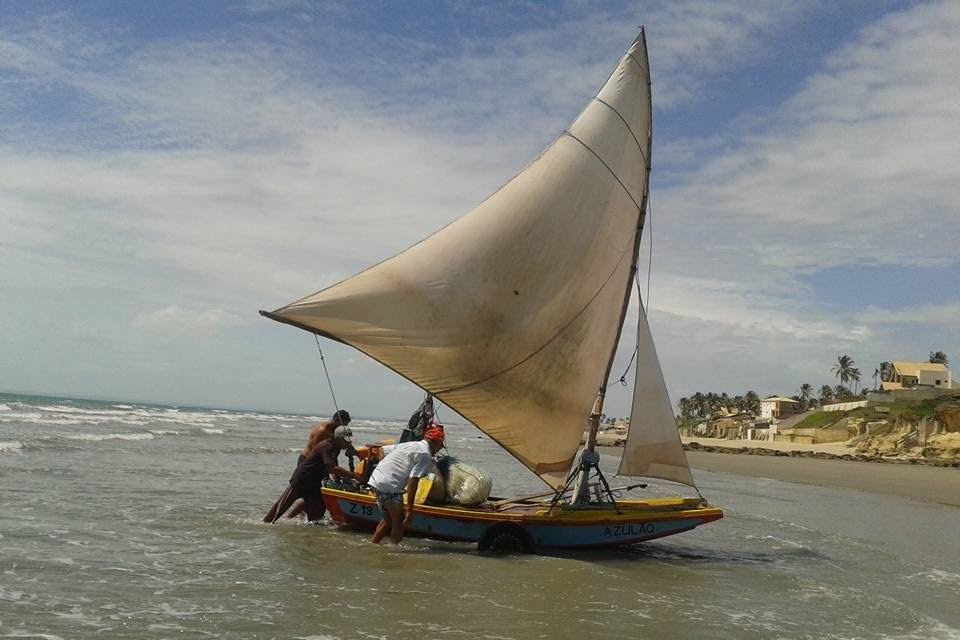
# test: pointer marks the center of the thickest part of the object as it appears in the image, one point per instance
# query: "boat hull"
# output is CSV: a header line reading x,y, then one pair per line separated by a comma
x,y
637,520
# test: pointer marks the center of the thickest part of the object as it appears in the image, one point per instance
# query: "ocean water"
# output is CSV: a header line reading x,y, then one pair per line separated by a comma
x,y
120,520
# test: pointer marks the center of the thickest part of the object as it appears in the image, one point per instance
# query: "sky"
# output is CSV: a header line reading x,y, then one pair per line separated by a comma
x,y
168,169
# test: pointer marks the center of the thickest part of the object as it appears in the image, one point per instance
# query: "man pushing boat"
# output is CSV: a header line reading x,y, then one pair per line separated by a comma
x,y
398,475
317,462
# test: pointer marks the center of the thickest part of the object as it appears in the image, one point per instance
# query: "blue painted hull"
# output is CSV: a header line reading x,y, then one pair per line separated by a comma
x,y
582,528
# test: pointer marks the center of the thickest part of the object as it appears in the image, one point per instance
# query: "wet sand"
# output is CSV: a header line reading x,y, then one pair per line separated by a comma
x,y
918,482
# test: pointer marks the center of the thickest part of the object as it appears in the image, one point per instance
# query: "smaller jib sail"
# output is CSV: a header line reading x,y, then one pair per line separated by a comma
x,y
509,314
653,448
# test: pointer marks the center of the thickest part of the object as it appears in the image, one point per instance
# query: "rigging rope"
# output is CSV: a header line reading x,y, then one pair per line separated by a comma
x,y
326,373
650,258
636,279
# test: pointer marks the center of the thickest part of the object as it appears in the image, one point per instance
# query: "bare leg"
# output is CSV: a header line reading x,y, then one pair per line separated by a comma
x,y
382,527
278,509
271,515
393,513
396,522
298,507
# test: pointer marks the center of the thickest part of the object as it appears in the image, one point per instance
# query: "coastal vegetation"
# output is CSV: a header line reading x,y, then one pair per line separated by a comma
x,y
704,405
845,370
822,419
903,423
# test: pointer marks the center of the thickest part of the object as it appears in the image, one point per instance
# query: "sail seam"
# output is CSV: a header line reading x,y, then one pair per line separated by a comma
x,y
559,332
580,312
627,125
630,55
604,163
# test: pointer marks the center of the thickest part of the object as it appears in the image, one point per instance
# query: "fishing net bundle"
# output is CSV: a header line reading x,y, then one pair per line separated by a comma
x,y
465,484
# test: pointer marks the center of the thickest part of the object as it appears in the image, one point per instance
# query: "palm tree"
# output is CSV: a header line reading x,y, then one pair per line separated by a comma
x,y
826,394
876,374
855,378
806,392
697,406
843,368
752,401
739,403
939,357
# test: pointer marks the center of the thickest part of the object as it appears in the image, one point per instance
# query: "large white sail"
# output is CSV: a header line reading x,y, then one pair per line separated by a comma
x,y
653,448
509,315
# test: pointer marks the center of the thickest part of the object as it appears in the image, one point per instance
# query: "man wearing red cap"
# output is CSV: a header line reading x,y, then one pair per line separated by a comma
x,y
398,474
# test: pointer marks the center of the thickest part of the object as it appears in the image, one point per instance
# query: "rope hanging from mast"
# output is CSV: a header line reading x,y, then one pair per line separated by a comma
x,y
650,256
636,280
326,373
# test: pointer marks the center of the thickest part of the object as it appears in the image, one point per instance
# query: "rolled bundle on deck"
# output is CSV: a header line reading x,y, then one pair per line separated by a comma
x,y
465,484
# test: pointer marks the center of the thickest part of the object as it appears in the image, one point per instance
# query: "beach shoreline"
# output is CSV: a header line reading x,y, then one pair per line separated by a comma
x,y
826,465
918,482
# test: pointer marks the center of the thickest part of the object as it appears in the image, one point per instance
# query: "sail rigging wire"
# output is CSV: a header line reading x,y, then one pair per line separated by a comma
x,y
636,279
638,236
326,373
636,345
649,225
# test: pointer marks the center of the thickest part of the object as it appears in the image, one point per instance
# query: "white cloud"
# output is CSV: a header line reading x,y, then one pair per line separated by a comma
x,y
214,176
946,315
858,167
177,320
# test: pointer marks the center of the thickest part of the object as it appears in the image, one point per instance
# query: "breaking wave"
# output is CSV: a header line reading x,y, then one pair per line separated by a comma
x,y
99,437
264,450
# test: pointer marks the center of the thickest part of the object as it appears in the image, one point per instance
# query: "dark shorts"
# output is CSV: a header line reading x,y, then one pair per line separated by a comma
x,y
305,483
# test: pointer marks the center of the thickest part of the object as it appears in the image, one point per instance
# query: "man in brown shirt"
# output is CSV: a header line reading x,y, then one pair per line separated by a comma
x,y
307,480
320,432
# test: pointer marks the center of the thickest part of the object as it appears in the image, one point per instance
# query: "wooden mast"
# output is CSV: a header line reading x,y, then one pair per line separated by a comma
x,y
589,459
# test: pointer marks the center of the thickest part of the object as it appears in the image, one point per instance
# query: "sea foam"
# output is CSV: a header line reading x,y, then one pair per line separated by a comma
x,y
98,437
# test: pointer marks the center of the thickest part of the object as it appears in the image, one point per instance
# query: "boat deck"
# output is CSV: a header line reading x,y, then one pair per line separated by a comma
x,y
500,508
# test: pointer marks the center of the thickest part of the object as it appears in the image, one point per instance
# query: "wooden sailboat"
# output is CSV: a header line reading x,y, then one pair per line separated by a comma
x,y
511,316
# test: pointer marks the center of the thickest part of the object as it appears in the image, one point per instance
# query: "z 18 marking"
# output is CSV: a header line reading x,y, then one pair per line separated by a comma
x,y
361,509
